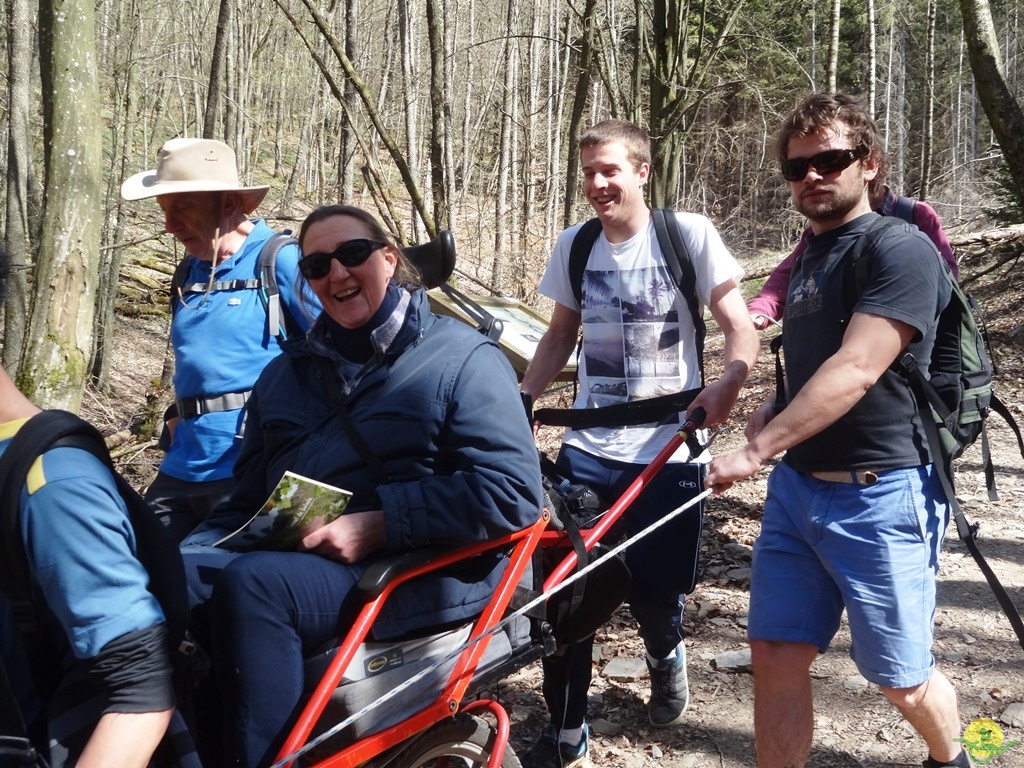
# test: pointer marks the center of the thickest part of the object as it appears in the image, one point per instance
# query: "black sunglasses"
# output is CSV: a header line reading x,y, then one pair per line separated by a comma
x,y
831,161
351,253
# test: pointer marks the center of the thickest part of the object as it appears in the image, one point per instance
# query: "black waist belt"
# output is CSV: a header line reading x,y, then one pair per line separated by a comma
x,y
191,407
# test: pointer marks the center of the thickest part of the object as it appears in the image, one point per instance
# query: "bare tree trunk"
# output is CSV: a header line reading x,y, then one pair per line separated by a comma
x,y
406,37
122,65
639,46
232,117
310,116
584,64
928,129
872,59
467,112
1002,109
833,46
440,112
501,211
54,368
346,160
215,87
19,169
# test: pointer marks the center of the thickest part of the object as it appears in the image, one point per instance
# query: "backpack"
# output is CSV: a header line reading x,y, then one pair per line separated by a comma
x,y
900,206
677,258
154,548
957,386
280,323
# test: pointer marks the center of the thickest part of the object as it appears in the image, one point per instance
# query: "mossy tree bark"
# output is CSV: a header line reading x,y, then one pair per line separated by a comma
x,y
55,365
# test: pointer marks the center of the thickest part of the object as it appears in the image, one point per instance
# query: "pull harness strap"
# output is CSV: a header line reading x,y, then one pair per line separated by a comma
x,y
629,414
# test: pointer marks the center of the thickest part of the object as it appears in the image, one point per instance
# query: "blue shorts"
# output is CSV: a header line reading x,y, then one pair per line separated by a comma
x,y
873,550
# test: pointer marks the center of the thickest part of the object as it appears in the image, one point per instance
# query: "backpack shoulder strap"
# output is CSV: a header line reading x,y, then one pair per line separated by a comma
x,y
33,439
858,268
279,320
903,208
579,254
966,530
856,277
680,265
178,280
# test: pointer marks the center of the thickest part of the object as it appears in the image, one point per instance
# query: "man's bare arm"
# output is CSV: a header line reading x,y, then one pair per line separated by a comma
x,y
740,354
125,739
553,350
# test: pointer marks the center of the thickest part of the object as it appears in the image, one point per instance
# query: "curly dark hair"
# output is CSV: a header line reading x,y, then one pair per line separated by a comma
x,y
820,112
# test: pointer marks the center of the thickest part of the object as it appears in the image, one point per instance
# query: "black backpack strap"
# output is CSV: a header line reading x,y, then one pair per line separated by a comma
x,y
280,322
15,746
680,265
967,531
999,407
781,398
858,268
177,280
579,255
325,372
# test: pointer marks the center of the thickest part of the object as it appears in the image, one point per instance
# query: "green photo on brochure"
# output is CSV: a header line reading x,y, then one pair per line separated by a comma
x,y
296,507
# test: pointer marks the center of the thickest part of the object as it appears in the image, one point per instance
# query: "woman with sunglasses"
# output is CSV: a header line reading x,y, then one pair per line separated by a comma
x,y
437,450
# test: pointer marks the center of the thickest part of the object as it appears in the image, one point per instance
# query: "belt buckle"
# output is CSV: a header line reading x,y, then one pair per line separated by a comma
x,y
870,477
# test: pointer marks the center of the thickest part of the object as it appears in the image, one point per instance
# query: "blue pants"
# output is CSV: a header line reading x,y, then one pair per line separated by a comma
x,y
662,566
181,505
872,551
269,610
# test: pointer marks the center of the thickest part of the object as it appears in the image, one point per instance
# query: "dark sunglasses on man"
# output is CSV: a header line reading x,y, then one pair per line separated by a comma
x,y
351,253
824,163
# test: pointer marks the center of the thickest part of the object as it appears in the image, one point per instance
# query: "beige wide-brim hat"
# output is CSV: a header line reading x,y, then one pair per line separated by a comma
x,y
192,165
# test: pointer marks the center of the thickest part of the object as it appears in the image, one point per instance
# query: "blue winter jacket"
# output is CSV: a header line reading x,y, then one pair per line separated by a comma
x,y
441,410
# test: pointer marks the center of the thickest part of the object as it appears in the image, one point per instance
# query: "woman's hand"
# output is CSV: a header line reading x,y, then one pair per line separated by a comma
x,y
349,539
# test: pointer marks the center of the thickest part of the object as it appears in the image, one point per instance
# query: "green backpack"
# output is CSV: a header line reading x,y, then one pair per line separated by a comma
x,y
957,386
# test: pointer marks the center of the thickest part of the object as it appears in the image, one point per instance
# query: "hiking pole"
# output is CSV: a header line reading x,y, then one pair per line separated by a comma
x,y
593,535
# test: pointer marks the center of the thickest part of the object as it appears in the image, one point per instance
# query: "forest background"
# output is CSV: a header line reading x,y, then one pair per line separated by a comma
x,y
461,115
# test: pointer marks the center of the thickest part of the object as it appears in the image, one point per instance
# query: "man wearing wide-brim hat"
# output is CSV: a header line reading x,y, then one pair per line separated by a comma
x,y
222,331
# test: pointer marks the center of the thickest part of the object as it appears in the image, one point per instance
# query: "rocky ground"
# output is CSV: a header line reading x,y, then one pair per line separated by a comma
x,y
855,727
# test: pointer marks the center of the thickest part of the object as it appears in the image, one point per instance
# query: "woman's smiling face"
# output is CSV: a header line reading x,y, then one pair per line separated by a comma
x,y
349,295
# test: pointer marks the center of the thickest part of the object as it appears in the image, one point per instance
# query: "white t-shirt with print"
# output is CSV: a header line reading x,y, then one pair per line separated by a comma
x,y
637,329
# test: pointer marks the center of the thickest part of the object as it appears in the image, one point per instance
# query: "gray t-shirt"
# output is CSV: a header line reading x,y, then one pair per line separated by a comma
x,y
883,429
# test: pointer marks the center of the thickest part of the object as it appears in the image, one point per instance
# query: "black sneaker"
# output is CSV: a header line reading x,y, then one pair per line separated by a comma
x,y
548,752
961,762
670,692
